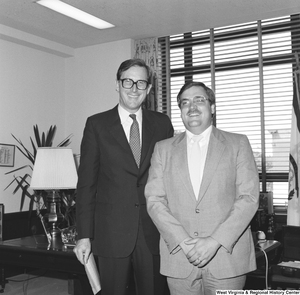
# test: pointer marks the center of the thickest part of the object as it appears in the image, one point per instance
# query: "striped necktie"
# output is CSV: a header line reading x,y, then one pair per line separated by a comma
x,y
134,139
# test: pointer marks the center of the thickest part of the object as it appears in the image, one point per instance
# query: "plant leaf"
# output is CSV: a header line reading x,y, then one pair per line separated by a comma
x,y
21,183
37,135
26,152
24,189
34,150
23,196
31,204
50,135
12,171
66,141
10,184
43,139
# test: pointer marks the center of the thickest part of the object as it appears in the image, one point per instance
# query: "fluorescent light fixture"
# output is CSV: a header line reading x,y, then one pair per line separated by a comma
x,y
75,13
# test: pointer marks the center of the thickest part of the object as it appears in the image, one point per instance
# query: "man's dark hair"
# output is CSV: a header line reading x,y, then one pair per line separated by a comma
x,y
209,92
127,64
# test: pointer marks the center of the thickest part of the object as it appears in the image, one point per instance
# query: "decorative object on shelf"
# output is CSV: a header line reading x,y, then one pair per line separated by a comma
x,y
261,218
266,201
69,236
54,170
146,49
271,227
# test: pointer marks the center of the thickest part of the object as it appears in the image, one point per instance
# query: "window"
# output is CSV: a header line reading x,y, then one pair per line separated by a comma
x,y
250,67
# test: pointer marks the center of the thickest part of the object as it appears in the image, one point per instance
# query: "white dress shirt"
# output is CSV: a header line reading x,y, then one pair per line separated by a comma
x,y
203,153
126,121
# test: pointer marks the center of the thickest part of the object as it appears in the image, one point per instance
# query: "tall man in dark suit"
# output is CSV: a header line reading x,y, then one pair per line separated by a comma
x,y
112,220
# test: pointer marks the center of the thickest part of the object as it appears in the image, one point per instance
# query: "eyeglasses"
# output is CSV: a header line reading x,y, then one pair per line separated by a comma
x,y
198,100
128,84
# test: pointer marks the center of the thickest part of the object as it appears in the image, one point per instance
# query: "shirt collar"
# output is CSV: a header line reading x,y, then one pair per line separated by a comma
x,y
206,134
124,115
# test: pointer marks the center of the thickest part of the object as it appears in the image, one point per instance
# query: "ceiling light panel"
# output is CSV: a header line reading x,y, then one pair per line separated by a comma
x,y
75,13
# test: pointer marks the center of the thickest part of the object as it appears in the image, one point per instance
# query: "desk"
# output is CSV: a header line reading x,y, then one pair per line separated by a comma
x,y
35,252
256,279
267,246
270,247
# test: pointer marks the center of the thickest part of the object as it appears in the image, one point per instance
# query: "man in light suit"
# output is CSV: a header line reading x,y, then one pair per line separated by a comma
x,y
112,219
206,242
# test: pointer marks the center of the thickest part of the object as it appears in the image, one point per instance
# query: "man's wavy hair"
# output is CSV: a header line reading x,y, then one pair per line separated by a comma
x,y
210,94
127,64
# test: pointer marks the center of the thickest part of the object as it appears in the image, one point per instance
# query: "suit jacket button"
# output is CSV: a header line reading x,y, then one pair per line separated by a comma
x,y
195,233
197,210
136,205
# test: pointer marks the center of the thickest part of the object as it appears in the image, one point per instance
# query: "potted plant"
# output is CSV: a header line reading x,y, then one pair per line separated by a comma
x,y
38,198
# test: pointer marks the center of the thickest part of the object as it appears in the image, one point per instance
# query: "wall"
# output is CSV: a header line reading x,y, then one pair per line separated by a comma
x,y
32,92
90,84
41,87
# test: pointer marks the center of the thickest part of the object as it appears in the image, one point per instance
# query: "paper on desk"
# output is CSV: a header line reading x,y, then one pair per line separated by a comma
x,y
93,274
294,264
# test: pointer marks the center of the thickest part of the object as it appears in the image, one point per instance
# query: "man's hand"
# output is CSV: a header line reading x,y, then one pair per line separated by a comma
x,y
187,248
83,250
204,249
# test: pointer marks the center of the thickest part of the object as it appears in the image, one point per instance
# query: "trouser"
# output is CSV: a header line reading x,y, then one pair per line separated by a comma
x,y
202,282
115,273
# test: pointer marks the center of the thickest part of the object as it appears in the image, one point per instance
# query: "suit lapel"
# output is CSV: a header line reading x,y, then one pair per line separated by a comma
x,y
180,161
214,154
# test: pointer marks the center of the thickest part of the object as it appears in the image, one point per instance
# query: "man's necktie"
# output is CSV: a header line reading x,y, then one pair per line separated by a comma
x,y
134,139
194,164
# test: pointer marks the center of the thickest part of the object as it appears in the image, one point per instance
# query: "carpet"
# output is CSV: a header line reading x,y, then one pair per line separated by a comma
x,y
37,283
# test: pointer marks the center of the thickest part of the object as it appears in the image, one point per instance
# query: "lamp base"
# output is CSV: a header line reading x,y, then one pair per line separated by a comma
x,y
53,217
55,233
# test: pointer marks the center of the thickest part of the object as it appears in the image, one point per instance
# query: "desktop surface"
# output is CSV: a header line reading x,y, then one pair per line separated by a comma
x,y
36,252
37,243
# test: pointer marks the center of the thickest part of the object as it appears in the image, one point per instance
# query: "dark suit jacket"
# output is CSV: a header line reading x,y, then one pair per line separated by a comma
x,y
110,201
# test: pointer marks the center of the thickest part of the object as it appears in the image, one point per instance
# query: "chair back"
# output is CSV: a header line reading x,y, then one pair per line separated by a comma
x,y
291,243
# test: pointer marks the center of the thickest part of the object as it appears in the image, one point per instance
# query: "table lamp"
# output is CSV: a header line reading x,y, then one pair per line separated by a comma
x,y
54,169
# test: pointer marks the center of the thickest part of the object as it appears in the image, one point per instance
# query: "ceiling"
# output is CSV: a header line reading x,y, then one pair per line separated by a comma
x,y
135,19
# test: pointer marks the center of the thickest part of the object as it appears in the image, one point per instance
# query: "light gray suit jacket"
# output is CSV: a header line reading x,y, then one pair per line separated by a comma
x,y
227,201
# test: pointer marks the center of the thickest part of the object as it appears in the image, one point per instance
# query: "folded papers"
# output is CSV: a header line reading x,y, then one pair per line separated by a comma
x,y
93,274
293,264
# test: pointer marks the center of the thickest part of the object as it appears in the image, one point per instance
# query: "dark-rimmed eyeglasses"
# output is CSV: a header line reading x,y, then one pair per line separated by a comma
x,y
128,83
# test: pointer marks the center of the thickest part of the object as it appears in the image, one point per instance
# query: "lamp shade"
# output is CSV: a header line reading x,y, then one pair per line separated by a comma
x,y
54,168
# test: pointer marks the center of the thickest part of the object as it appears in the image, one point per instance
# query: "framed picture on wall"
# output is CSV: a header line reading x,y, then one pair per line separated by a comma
x,y
7,155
